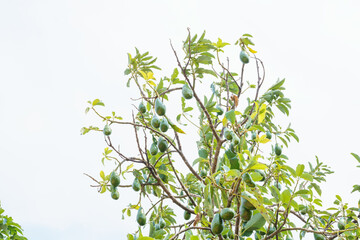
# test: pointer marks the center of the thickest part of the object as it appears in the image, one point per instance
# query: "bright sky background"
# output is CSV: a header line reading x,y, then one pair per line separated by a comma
x,y
56,55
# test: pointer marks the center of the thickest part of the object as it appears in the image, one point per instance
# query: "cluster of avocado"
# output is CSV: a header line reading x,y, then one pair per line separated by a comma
x,y
245,208
115,182
161,145
217,224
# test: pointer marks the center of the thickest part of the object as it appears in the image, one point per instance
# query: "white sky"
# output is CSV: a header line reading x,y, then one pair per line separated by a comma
x,y
56,55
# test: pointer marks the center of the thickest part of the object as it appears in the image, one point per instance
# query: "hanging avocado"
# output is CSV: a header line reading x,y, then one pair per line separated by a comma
x,y
136,185
142,108
115,194
155,122
247,204
221,111
248,180
227,213
187,215
245,213
160,108
278,150
164,125
162,144
244,57
341,224
140,217
228,134
107,130
114,179
203,173
153,149
268,135
217,225
162,223
235,140
253,135
187,92
263,176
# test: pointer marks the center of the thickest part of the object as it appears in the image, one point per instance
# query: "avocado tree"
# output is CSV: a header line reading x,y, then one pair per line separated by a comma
x,y
9,229
241,185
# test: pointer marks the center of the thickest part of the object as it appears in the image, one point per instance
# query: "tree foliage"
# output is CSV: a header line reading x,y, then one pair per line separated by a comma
x,y
9,229
242,185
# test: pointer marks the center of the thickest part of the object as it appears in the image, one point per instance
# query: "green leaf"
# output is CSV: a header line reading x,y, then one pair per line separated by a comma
x,y
257,127
233,173
356,156
277,85
176,128
145,238
356,188
97,102
317,188
275,193
259,166
307,177
300,169
230,115
256,222
303,191
285,196
291,170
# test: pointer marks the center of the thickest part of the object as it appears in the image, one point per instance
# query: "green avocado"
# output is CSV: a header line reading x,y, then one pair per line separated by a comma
x,y
162,223
221,111
278,150
162,144
154,149
262,175
187,92
217,225
227,213
318,236
341,224
142,108
136,186
247,179
203,173
164,125
244,57
245,213
253,135
160,108
246,203
140,217
114,179
187,215
268,135
163,177
115,194
155,122
235,140
107,130
228,134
